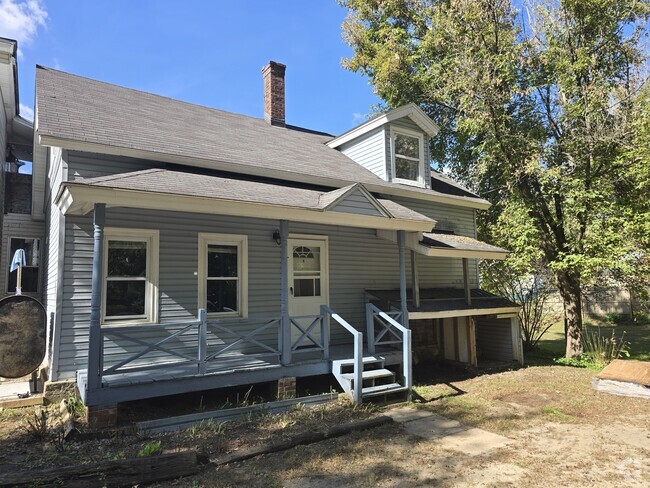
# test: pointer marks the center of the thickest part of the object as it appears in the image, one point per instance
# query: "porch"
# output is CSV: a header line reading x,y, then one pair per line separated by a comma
x,y
167,359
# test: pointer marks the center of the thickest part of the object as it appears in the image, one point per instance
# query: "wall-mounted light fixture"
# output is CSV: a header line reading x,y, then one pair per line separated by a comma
x,y
277,237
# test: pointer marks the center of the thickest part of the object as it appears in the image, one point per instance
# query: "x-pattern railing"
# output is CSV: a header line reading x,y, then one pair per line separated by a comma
x,y
306,333
241,338
123,333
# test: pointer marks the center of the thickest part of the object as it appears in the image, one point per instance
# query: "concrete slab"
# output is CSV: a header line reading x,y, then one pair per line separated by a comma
x,y
449,433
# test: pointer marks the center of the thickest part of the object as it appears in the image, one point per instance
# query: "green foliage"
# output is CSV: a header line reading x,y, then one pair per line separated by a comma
x,y
38,426
603,350
75,406
150,449
582,361
615,318
547,118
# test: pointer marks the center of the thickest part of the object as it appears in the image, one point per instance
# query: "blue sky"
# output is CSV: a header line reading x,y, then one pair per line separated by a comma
x,y
205,52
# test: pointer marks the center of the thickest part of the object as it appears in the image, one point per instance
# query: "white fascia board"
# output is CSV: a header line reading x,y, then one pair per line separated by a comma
x,y
386,189
411,110
79,199
463,313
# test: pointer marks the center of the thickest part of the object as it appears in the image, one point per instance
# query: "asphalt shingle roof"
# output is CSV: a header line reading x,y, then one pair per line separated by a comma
x,y
167,181
445,299
82,110
452,241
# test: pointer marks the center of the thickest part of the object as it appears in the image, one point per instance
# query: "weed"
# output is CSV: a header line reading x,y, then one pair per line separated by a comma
x,y
75,406
37,426
604,350
150,449
556,413
582,361
207,428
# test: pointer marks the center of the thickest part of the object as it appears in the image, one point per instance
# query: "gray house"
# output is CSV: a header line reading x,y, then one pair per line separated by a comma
x,y
190,248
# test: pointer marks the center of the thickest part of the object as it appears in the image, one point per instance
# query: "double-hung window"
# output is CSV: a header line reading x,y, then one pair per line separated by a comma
x,y
223,274
130,276
407,157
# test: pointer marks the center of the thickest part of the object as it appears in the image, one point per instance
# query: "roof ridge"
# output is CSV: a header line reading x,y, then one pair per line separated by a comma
x,y
204,107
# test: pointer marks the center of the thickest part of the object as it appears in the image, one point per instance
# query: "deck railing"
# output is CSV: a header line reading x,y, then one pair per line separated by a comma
x,y
197,348
389,333
328,314
306,326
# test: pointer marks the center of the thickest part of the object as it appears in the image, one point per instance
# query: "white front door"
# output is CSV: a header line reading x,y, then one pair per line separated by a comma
x,y
308,283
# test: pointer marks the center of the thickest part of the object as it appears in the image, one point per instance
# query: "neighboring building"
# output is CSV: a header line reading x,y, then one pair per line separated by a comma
x,y
157,209
21,219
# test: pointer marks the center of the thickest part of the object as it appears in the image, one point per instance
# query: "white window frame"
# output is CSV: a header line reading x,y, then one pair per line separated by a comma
x,y
10,257
418,135
152,238
239,240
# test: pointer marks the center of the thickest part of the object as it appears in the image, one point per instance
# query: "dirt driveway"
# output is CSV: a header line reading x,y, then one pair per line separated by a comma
x,y
562,433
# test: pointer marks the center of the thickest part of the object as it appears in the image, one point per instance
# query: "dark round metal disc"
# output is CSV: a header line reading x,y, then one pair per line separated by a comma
x,y
22,335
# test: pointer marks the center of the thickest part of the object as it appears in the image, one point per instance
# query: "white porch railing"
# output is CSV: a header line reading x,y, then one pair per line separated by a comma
x,y
389,332
358,350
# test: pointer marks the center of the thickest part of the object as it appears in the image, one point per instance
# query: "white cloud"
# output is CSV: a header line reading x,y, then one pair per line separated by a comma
x,y
26,112
358,118
20,20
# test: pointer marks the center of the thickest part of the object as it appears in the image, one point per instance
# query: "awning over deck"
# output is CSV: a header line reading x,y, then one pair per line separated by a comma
x,y
448,245
445,302
164,189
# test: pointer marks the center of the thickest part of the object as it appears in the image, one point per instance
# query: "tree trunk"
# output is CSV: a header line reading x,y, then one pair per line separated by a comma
x,y
569,287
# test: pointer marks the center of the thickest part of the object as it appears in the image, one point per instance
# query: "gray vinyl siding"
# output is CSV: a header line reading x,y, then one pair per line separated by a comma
x,y
356,203
56,170
494,339
3,147
21,226
457,219
39,176
408,124
90,165
358,260
368,151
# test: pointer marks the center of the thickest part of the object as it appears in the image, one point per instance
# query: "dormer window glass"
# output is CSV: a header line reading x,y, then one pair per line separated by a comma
x,y
408,157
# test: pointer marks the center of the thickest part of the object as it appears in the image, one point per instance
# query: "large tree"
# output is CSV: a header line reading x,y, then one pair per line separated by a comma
x,y
538,109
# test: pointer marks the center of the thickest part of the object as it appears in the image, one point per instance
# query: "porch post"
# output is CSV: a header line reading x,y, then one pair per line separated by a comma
x,y
468,292
94,331
402,277
285,323
415,279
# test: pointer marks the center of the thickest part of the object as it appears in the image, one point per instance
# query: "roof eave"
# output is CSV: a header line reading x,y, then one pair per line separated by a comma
x,y
410,110
53,141
75,198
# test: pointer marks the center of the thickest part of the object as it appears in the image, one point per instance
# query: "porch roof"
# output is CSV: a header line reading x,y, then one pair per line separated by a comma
x,y
163,189
446,302
447,245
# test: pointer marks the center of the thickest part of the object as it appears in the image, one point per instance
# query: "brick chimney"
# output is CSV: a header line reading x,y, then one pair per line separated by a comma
x,y
273,74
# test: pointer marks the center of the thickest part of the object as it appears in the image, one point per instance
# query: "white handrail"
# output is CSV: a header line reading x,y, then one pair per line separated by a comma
x,y
371,311
358,351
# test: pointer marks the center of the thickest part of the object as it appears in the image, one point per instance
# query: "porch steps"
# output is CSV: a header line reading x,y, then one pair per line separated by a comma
x,y
376,379
382,390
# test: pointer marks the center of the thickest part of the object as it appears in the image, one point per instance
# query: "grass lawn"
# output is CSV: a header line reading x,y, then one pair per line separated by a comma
x,y
551,346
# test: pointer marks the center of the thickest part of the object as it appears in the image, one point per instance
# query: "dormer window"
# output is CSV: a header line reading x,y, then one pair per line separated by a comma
x,y
407,157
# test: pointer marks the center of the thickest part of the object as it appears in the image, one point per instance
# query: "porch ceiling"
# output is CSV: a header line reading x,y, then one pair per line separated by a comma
x,y
446,302
163,189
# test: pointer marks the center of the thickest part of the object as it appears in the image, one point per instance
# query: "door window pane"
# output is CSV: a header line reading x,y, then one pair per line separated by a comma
x,y
306,287
29,282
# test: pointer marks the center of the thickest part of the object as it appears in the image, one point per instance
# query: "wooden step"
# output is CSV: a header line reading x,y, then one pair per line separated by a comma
x,y
365,360
382,390
371,375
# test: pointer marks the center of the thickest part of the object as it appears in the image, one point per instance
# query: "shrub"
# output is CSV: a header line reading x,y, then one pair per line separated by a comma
x,y
603,350
615,318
